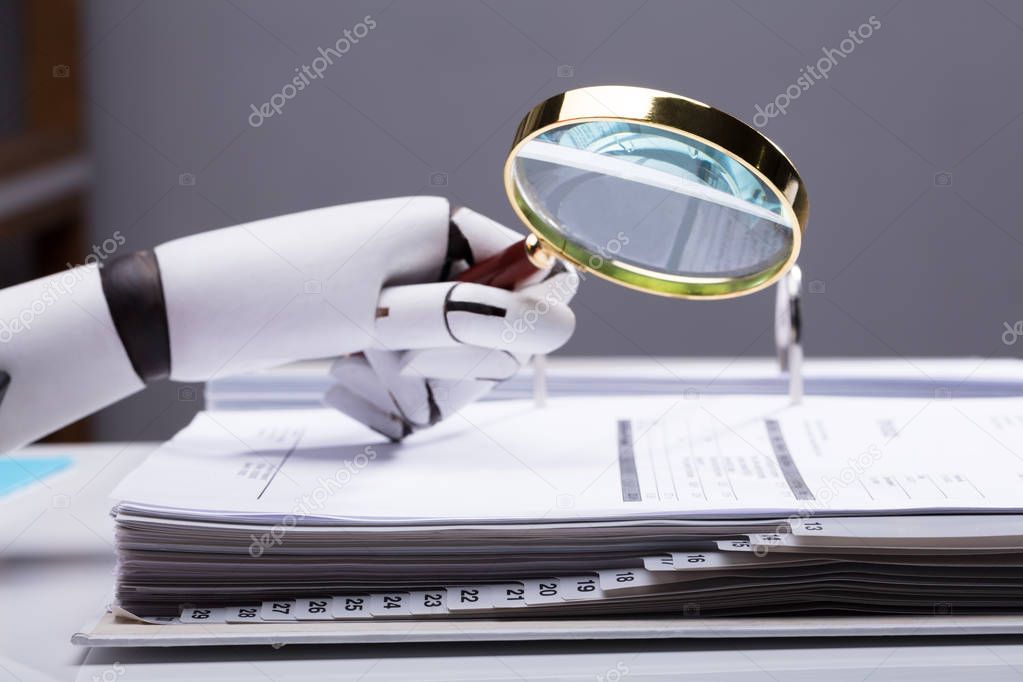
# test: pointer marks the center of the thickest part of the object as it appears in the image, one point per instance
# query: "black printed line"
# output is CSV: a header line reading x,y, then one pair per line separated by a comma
x,y
280,466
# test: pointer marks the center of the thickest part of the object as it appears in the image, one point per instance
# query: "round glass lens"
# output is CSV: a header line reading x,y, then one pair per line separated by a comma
x,y
655,199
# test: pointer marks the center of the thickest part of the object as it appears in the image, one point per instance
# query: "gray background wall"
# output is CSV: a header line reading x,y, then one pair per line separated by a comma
x,y
909,265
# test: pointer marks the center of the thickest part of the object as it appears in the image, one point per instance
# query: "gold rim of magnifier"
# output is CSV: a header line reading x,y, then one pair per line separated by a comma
x,y
675,114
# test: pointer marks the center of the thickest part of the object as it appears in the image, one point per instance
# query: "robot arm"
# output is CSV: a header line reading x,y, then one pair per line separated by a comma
x,y
367,281
61,352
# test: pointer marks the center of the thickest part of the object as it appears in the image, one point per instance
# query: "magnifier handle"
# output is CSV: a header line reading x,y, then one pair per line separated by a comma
x,y
503,270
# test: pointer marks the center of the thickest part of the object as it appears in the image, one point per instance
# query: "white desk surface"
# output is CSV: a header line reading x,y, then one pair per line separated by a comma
x,y
56,562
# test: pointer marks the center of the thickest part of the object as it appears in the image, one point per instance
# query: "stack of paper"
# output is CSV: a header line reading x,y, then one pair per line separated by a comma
x,y
710,506
302,385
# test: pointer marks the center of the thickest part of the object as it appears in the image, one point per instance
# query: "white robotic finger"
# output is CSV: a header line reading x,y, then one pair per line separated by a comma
x,y
389,424
355,373
451,396
414,317
452,314
419,401
464,362
372,390
486,237
560,284
410,395
485,316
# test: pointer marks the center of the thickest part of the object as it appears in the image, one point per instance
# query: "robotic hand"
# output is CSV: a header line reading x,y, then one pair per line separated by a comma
x,y
440,346
369,282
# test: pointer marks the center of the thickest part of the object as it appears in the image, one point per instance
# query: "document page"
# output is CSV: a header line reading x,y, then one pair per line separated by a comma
x,y
595,458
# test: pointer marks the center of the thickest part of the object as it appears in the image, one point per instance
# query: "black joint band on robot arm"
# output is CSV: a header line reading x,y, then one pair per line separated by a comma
x,y
134,294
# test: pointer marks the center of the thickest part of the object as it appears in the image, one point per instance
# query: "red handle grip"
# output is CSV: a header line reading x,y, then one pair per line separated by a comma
x,y
503,270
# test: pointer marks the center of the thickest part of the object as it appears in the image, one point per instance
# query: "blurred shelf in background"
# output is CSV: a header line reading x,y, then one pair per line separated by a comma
x,y
44,167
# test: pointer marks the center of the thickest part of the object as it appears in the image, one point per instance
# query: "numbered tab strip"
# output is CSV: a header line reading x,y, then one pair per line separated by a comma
x,y
314,609
714,561
350,607
457,599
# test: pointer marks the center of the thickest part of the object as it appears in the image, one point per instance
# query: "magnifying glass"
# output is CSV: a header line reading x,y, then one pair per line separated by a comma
x,y
651,190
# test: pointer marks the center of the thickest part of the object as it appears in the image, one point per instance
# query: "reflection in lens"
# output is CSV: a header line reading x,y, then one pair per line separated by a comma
x,y
665,201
